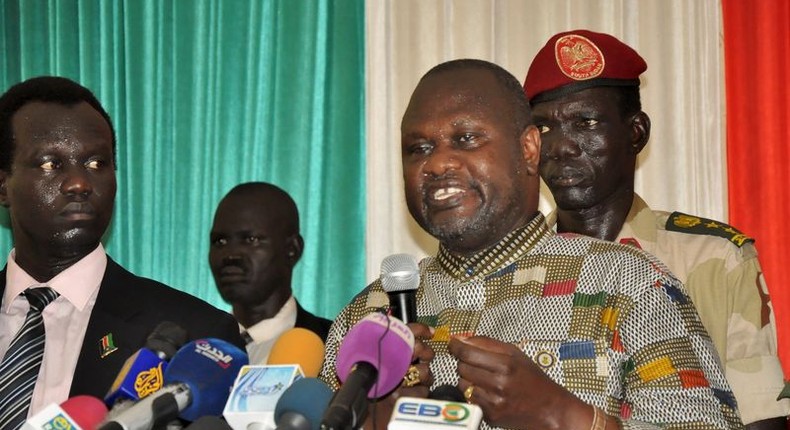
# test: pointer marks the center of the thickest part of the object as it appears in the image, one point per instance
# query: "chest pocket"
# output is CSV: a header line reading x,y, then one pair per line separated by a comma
x,y
582,366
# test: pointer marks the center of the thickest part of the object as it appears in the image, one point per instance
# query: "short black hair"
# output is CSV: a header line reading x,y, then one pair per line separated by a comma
x,y
629,99
522,116
49,89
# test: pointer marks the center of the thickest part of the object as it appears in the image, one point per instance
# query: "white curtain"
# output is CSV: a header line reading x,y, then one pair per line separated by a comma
x,y
682,168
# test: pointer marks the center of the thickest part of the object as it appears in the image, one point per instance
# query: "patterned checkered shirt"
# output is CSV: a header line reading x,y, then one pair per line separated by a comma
x,y
608,322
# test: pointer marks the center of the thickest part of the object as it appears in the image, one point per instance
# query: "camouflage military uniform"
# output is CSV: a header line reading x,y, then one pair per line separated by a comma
x,y
719,267
607,322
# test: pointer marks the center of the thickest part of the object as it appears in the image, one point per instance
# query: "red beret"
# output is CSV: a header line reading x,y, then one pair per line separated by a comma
x,y
581,59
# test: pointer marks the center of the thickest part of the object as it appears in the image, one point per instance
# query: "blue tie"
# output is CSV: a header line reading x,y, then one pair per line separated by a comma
x,y
19,368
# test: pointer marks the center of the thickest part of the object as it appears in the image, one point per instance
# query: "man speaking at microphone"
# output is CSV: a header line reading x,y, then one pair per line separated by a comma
x,y
541,330
70,315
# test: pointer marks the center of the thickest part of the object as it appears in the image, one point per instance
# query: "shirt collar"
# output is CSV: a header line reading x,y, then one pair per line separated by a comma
x,y
640,223
77,283
273,327
508,250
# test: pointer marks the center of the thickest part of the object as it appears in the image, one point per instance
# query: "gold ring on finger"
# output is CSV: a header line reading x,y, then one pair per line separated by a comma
x,y
468,393
412,377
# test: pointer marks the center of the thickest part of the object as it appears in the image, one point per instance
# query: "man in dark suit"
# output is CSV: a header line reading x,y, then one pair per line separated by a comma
x,y
57,180
255,244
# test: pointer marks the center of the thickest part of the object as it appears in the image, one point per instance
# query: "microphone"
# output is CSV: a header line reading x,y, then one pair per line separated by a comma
x,y
372,359
302,404
400,277
197,383
445,408
252,402
142,373
77,413
301,346
447,392
209,422
429,414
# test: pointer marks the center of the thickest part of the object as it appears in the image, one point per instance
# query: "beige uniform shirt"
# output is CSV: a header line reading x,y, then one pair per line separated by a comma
x,y
725,282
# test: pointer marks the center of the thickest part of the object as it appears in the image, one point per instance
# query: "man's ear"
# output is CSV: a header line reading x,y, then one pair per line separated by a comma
x,y
3,188
530,148
640,131
294,248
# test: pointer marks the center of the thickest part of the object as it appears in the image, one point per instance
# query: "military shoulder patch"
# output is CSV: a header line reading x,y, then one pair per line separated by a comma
x,y
679,221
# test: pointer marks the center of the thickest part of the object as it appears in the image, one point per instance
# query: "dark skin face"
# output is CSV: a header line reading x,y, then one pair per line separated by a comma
x,y
470,174
61,185
588,159
252,257
464,179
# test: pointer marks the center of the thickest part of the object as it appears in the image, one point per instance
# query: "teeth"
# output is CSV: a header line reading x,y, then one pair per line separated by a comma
x,y
446,193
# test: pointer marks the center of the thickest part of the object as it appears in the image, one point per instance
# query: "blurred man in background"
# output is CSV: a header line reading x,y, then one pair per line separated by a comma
x,y
255,244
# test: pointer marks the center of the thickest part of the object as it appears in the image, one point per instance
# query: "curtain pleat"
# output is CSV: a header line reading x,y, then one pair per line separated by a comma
x,y
205,95
756,40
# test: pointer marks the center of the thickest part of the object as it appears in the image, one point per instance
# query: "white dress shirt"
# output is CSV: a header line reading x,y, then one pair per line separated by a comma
x,y
266,332
65,321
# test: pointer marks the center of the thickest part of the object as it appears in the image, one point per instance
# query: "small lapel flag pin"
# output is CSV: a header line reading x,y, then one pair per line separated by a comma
x,y
107,345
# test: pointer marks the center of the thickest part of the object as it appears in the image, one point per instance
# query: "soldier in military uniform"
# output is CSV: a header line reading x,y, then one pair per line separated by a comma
x,y
584,90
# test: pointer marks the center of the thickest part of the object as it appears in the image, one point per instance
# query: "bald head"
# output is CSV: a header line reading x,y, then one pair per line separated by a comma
x,y
255,244
509,87
270,201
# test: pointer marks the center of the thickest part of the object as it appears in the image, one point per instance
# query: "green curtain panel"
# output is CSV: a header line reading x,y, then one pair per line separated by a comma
x,y
205,95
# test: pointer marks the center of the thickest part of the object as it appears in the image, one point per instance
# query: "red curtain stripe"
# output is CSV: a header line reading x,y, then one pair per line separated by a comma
x,y
756,47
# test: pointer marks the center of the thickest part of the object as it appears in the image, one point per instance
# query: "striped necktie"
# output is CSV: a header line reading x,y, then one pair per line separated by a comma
x,y
19,368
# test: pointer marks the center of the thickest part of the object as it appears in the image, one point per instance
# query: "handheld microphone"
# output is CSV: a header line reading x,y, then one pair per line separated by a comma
x,y
302,405
400,277
372,359
197,383
77,413
299,346
142,373
430,414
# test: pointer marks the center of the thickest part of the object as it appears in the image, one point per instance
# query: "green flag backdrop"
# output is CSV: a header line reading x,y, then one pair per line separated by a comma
x,y
205,95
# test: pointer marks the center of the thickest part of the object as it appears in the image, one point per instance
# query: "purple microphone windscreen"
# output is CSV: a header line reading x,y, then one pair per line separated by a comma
x,y
209,368
308,398
381,341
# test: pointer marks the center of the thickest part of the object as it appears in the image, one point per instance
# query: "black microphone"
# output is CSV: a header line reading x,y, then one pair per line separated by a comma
x,y
209,422
142,373
400,277
447,392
